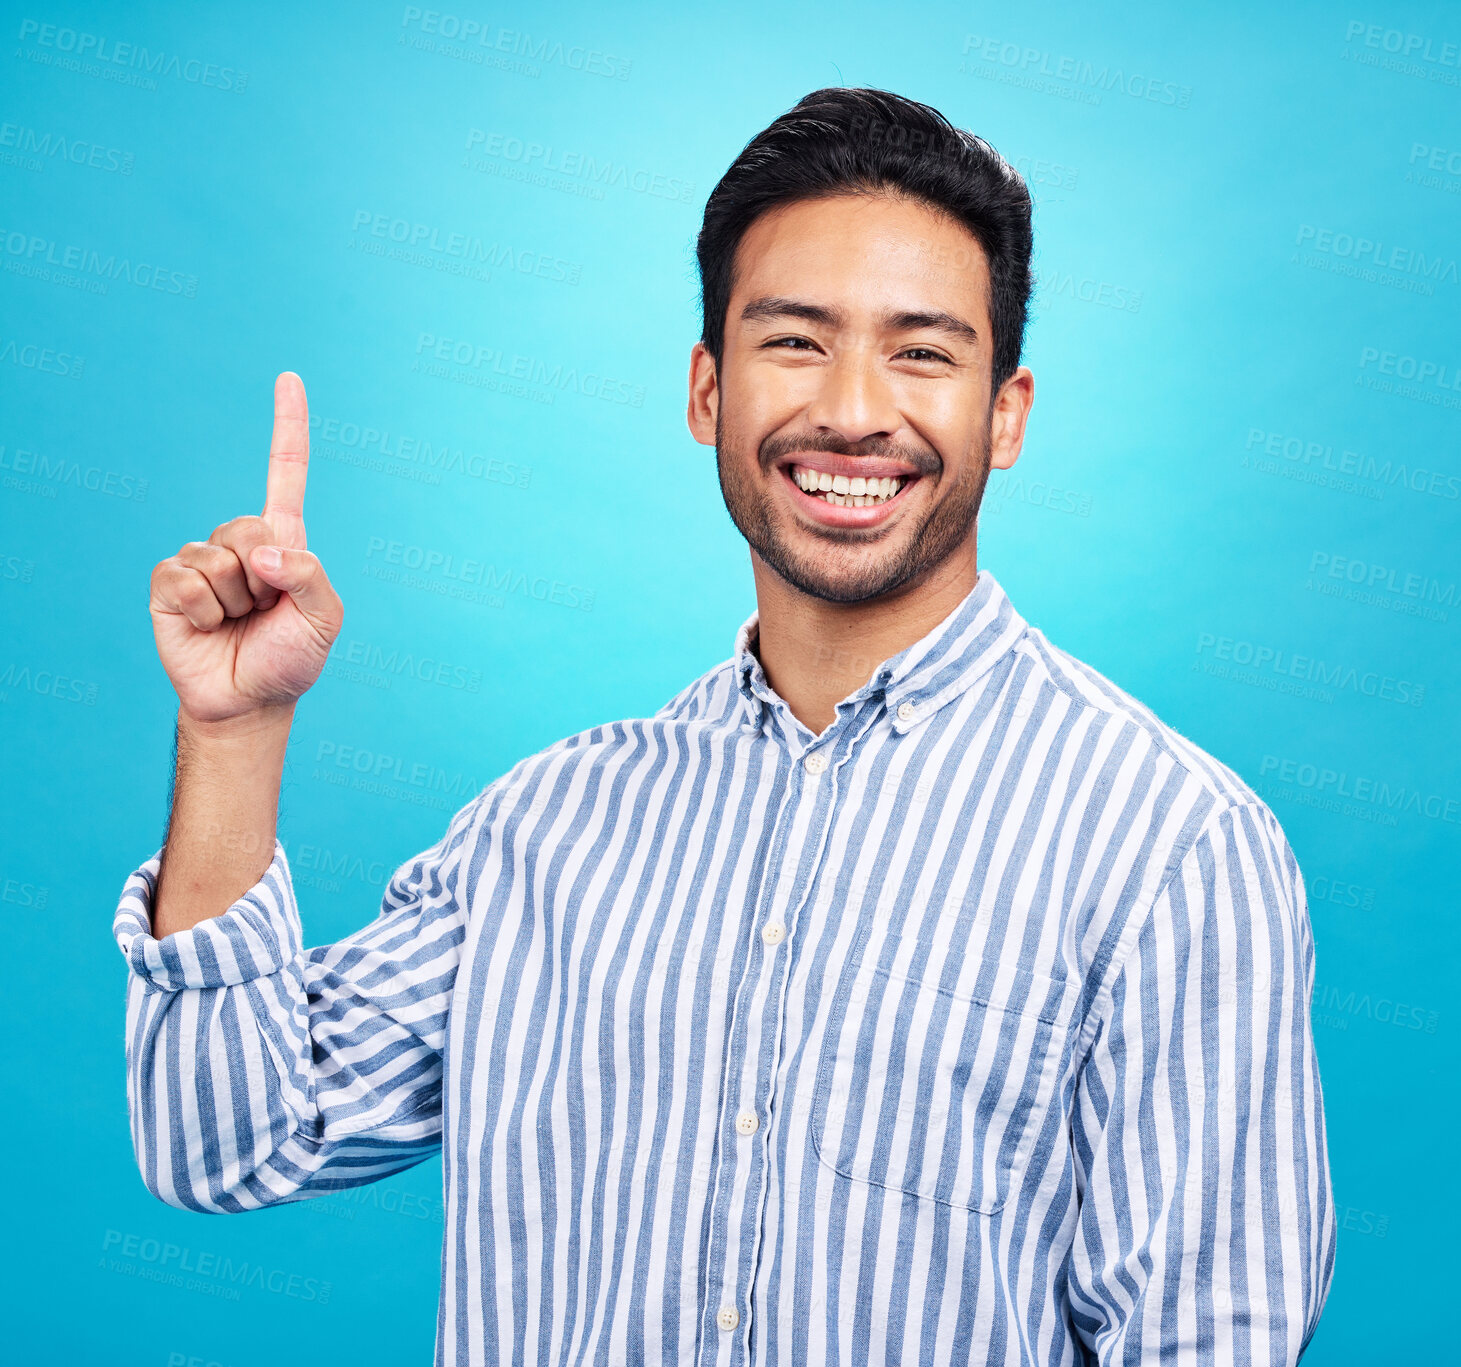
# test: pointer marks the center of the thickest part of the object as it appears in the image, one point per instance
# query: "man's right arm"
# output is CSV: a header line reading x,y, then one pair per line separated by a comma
x,y
258,1071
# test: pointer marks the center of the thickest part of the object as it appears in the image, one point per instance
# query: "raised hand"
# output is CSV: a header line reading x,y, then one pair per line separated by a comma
x,y
245,620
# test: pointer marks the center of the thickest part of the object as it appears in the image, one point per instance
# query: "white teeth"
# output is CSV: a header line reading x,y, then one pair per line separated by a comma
x,y
845,491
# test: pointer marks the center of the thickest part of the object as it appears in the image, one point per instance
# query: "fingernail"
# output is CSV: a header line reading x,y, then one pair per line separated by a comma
x,y
270,557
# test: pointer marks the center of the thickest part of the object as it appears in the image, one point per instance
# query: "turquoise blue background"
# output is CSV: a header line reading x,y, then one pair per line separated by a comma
x,y
1161,507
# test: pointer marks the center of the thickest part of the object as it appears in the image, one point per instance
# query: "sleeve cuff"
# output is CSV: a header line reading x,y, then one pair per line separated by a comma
x,y
256,936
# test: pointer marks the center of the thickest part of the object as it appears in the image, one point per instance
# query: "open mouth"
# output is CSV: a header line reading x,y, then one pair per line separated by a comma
x,y
842,491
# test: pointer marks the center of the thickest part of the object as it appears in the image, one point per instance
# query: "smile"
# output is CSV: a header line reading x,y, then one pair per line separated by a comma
x,y
850,502
845,492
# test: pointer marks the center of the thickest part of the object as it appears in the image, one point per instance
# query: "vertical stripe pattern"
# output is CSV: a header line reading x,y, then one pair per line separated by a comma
x,y
972,1030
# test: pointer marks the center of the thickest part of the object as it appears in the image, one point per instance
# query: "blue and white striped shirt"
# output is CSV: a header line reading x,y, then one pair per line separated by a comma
x,y
974,1029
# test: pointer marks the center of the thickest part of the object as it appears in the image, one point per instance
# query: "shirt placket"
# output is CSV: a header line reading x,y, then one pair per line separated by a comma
x,y
749,1099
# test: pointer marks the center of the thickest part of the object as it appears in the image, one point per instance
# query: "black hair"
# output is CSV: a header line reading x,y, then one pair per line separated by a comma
x,y
849,141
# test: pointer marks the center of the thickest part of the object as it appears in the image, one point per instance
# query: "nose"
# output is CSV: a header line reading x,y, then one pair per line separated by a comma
x,y
854,400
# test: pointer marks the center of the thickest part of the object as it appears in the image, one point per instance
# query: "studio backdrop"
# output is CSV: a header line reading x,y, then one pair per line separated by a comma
x,y
471,231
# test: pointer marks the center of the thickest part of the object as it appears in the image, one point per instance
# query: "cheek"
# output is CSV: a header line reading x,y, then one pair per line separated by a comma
x,y
953,413
762,398
749,414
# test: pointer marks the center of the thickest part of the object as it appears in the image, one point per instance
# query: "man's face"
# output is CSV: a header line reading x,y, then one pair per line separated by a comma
x,y
857,346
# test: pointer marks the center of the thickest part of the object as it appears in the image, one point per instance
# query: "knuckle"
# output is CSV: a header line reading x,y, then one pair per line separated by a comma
x,y
241,527
209,557
209,553
191,590
171,573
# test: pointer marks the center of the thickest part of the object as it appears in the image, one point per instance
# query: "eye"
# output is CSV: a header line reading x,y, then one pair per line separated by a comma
x,y
927,354
782,341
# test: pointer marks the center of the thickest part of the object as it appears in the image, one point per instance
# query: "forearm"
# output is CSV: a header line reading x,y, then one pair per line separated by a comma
x,y
225,810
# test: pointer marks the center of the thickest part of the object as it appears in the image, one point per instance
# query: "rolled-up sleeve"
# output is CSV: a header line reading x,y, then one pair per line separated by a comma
x,y
1206,1232
259,1071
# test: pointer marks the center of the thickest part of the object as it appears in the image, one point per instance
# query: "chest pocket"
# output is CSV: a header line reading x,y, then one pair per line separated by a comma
x,y
936,1093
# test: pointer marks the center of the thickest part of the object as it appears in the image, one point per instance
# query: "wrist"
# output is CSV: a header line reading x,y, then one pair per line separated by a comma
x,y
262,725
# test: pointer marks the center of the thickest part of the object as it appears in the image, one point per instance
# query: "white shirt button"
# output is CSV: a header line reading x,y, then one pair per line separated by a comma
x,y
747,1122
906,711
773,932
815,763
728,1318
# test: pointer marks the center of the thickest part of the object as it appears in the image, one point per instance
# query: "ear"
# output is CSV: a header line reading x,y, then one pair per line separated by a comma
x,y
704,405
1007,422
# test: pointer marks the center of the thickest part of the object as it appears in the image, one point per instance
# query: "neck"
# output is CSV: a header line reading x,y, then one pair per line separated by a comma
x,y
815,653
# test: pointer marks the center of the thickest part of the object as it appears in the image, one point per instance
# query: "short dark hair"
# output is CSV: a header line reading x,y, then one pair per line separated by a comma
x,y
840,141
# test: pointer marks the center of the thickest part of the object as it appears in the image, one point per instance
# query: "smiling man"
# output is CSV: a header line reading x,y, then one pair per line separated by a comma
x,y
902,990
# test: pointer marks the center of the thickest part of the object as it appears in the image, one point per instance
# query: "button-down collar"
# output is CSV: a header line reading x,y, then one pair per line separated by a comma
x,y
922,677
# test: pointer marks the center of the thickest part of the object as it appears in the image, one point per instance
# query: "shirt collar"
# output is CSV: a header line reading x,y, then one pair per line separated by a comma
x,y
925,675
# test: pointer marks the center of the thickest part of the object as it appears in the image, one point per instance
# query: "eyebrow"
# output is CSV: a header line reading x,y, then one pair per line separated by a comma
x,y
772,306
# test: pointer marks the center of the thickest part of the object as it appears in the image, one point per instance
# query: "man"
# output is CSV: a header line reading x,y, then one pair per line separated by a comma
x,y
902,990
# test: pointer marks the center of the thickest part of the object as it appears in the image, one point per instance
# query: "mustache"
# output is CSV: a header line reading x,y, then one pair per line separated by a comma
x,y
925,462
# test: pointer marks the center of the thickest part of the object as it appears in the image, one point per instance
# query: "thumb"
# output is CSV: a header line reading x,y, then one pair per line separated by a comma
x,y
300,574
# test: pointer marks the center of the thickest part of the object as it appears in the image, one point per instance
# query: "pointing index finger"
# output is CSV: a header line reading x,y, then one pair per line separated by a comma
x,y
288,462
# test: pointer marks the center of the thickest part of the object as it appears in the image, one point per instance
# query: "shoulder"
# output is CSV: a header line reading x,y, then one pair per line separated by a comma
x,y
1224,869
1117,712
1215,821
710,704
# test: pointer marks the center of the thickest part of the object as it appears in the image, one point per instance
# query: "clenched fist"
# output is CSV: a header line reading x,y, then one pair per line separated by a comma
x,y
245,619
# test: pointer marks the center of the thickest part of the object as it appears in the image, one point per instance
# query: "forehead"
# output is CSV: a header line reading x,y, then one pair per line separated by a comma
x,y
865,252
